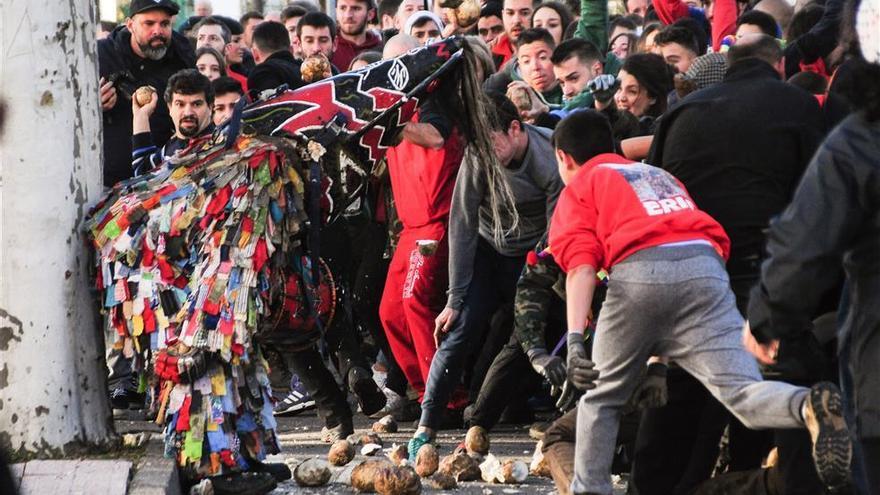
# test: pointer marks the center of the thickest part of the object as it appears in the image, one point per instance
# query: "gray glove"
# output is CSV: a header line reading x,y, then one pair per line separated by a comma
x,y
651,391
581,371
550,367
603,88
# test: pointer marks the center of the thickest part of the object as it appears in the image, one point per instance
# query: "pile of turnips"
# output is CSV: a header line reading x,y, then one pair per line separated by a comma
x,y
397,474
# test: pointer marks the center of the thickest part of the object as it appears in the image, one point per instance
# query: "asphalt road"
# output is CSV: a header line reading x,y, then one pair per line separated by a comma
x,y
301,439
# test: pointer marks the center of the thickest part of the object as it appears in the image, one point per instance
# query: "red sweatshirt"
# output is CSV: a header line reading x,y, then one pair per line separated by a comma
x,y
422,180
503,48
346,51
723,20
614,207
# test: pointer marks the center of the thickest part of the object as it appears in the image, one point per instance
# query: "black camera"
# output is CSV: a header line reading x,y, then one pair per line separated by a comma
x,y
124,82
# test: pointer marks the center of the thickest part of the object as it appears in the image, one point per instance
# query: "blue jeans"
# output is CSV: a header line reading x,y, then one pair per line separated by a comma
x,y
493,283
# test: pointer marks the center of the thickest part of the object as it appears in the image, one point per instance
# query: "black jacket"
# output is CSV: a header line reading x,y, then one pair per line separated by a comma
x,y
116,60
833,220
740,148
279,68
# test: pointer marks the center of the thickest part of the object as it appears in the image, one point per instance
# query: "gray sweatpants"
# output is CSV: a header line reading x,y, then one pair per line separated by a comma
x,y
674,302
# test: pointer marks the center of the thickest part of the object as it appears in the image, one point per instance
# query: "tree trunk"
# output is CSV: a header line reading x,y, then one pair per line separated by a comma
x,y
53,394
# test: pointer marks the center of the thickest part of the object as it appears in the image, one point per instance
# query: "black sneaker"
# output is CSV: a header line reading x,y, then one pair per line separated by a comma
x,y
278,470
122,399
832,446
297,401
369,397
249,483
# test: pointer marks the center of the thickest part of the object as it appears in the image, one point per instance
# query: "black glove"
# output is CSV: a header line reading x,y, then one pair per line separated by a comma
x,y
567,398
581,371
550,367
651,391
603,88
800,359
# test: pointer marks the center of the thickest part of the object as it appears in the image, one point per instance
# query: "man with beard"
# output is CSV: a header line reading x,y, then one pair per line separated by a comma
x,y
190,98
352,38
517,17
144,52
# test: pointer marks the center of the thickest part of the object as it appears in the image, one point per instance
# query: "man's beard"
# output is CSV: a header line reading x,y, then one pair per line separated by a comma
x,y
189,131
154,53
356,32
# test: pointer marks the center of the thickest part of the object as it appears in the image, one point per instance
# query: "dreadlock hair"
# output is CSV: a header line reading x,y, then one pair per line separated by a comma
x,y
472,112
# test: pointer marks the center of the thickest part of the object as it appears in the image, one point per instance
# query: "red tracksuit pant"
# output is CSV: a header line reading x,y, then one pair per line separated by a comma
x,y
415,293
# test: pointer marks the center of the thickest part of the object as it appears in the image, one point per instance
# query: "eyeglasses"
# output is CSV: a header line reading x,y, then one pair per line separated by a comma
x,y
493,30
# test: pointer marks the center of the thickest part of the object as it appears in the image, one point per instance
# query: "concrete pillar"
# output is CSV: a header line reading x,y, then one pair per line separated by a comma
x,y
52,373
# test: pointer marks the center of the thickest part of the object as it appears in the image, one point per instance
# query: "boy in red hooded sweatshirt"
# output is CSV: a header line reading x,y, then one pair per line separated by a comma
x,y
668,295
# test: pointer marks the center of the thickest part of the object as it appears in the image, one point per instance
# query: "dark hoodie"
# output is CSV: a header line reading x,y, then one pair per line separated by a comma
x,y
118,61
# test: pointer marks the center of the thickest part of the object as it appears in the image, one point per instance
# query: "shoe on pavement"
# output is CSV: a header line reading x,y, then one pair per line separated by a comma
x,y
278,470
122,399
416,442
249,483
393,403
832,446
369,397
536,431
297,401
338,432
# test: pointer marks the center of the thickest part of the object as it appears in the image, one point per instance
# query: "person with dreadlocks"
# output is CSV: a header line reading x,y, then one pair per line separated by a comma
x,y
488,242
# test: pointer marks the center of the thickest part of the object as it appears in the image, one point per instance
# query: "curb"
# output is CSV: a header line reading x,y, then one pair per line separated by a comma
x,y
155,475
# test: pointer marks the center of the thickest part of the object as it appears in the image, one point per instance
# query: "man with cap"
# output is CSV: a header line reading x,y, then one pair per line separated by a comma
x,y
143,52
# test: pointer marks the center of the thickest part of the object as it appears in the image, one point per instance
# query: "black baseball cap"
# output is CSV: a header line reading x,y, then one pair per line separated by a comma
x,y
138,6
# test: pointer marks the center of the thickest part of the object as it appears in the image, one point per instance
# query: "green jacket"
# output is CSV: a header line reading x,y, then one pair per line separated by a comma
x,y
593,27
593,24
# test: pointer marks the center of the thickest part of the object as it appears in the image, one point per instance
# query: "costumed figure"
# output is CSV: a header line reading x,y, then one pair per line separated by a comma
x,y
211,257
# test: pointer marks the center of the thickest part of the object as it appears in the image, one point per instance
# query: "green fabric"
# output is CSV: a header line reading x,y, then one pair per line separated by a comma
x,y
612,64
593,24
582,100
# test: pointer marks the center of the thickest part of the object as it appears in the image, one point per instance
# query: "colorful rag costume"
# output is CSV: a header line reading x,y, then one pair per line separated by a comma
x,y
214,254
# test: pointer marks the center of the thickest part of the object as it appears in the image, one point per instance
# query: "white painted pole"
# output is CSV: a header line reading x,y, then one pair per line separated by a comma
x,y
52,373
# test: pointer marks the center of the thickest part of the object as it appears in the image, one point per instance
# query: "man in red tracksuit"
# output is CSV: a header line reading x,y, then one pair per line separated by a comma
x,y
423,168
669,295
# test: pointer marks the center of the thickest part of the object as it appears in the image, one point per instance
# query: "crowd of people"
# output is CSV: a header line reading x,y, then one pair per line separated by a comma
x,y
678,259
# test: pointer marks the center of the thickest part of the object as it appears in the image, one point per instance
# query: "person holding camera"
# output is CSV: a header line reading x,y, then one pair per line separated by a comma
x,y
143,52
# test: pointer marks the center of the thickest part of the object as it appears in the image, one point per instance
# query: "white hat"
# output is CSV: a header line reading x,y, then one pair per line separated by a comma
x,y
868,28
420,16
